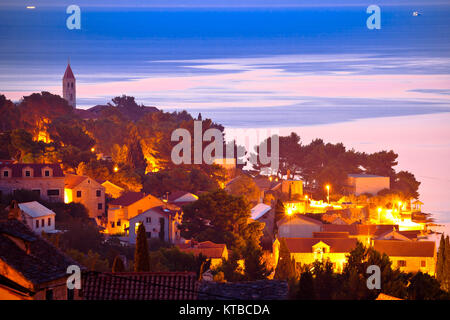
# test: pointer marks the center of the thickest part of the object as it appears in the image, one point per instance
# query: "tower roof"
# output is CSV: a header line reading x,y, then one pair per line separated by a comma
x,y
68,74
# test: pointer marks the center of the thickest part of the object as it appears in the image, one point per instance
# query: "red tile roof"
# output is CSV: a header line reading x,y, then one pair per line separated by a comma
x,y
37,169
304,245
72,180
399,248
68,74
41,264
127,198
140,286
207,248
330,234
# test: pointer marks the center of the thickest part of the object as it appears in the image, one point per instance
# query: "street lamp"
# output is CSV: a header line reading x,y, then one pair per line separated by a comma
x,y
328,190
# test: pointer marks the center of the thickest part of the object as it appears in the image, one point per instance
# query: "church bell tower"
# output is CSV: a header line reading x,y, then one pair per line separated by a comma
x,y
69,86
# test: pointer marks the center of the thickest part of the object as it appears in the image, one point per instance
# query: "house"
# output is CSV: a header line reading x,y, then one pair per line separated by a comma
x,y
46,180
308,250
292,187
298,226
30,267
160,222
181,197
37,217
112,190
140,286
366,183
127,206
87,191
213,251
267,185
409,256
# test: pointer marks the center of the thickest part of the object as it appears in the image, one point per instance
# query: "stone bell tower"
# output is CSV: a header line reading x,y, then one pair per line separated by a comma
x,y
69,86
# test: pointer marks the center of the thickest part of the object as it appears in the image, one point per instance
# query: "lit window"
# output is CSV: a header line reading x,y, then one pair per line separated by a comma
x,y
401,263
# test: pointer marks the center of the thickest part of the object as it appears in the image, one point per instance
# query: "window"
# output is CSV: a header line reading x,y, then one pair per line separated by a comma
x,y
53,192
27,173
119,222
47,173
100,206
36,192
423,263
99,193
43,223
149,235
37,223
112,224
78,194
148,220
49,222
401,263
6,174
71,84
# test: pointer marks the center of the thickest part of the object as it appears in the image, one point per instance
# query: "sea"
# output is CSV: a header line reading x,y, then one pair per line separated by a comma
x,y
316,70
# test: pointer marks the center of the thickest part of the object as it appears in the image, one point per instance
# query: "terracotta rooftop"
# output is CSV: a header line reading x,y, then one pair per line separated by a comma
x,y
41,264
17,169
72,180
330,234
207,248
128,198
140,286
68,74
399,248
304,245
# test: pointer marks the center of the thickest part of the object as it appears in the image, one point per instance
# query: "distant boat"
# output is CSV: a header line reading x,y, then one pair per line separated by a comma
x,y
416,13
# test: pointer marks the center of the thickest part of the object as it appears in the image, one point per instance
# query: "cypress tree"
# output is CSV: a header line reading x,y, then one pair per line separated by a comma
x,y
118,265
440,260
141,256
286,265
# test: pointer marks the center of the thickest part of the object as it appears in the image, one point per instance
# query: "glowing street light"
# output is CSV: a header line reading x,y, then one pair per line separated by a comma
x,y
289,211
92,149
400,206
116,169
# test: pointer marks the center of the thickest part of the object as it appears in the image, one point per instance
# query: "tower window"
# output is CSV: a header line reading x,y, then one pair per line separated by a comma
x,y
72,84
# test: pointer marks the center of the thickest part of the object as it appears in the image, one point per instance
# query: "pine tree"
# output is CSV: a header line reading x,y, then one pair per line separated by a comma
x,y
118,265
286,265
141,256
